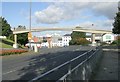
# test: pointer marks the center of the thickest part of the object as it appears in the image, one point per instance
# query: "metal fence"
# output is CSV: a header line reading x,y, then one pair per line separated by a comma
x,y
83,70
79,68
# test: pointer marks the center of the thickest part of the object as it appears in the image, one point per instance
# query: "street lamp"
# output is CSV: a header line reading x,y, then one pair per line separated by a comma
x,y
119,6
30,15
30,26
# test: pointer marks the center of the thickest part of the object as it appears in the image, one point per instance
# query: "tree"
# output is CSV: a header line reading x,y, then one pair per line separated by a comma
x,y
20,27
5,27
78,38
22,38
116,24
0,26
77,35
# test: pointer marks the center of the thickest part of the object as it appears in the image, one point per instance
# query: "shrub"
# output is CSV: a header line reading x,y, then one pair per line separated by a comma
x,y
12,51
79,41
116,42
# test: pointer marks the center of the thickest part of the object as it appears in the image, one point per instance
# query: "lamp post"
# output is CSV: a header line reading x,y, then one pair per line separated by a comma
x,y
119,6
93,38
30,26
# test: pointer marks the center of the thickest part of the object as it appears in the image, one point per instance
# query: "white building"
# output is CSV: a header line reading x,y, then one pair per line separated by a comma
x,y
55,40
66,39
58,40
108,38
60,44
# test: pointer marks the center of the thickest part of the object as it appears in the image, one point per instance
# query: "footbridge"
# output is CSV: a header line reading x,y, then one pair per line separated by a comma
x,y
39,29
63,29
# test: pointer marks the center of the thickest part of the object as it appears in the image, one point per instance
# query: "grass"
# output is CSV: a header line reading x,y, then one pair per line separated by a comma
x,y
9,40
5,43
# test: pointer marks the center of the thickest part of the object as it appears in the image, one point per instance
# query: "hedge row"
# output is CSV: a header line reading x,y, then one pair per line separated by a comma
x,y
9,52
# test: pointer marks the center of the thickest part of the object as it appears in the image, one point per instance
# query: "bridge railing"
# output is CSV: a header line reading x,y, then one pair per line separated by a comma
x,y
83,70
78,68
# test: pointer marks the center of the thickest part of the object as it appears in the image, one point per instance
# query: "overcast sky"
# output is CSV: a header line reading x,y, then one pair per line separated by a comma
x,y
61,14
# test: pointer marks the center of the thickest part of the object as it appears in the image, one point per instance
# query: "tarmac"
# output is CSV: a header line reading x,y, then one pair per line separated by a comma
x,y
108,68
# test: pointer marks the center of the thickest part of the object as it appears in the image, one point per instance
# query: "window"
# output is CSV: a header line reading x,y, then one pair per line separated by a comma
x,y
108,37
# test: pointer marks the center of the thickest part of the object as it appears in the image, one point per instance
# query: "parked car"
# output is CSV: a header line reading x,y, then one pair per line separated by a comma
x,y
33,44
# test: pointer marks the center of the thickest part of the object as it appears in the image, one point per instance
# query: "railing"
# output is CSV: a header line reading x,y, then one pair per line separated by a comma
x,y
83,70
78,68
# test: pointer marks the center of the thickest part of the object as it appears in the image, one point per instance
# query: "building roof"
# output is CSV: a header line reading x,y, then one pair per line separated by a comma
x,y
67,35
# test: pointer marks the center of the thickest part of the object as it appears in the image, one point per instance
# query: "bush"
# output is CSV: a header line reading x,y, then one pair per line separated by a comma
x,y
13,51
80,41
72,42
116,42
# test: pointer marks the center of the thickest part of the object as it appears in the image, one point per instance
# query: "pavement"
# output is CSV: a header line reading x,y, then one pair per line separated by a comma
x,y
30,65
109,65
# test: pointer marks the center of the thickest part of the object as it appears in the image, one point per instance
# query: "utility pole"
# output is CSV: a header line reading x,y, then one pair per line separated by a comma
x,y
119,6
30,25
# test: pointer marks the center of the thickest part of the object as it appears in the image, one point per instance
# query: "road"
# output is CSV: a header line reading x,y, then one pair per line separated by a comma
x,y
26,67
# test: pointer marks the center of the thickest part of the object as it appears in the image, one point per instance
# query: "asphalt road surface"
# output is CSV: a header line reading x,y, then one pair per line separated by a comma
x,y
29,66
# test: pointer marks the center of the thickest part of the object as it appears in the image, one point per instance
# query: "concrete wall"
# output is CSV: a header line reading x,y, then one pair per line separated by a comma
x,y
84,69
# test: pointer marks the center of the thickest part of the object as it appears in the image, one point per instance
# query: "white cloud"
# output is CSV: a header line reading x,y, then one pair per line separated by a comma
x,y
106,9
57,11
61,0
86,24
52,14
103,25
108,23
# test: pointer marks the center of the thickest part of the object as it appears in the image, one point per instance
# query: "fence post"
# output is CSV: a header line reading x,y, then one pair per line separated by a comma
x,y
69,71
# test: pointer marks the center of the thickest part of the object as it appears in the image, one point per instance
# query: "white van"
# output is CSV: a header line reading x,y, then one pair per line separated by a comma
x,y
33,44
